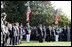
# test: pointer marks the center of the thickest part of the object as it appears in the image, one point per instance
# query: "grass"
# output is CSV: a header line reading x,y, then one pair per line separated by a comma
x,y
36,43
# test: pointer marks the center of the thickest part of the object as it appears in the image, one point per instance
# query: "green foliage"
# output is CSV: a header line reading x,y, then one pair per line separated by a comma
x,y
64,21
15,11
41,13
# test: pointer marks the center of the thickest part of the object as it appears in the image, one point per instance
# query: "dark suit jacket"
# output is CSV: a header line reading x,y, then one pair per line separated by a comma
x,y
47,31
39,31
56,32
12,33
64,32
26,31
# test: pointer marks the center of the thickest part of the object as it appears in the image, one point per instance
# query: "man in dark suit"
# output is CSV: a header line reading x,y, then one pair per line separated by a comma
x,y
14,34
60,29
37,34
40,32
64,34
17,31
10,31
68,33
44,33
47,34
52,34
33,33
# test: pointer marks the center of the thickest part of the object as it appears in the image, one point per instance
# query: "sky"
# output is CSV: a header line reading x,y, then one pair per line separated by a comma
x,y
65,6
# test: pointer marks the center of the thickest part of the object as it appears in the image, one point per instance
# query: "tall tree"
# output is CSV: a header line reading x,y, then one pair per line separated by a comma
x,y
42,12
15,11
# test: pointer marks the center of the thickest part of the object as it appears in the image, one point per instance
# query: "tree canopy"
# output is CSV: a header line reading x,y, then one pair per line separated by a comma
x,y
41,13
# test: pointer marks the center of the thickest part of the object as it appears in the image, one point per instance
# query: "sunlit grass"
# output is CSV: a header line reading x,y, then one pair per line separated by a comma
x,y
36,43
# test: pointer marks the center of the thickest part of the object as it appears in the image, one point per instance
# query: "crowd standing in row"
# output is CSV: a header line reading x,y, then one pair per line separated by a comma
x,y
12,34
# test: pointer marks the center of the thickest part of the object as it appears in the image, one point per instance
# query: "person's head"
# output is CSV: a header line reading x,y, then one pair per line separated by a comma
x,y
44,26
34,27
3,16
9,25
21,24
68,27
14,24
53,28
64,27
49,26
27,24
17,24
6,24
40,25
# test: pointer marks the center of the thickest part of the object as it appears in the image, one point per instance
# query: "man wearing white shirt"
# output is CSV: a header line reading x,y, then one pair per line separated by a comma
x,y
28,33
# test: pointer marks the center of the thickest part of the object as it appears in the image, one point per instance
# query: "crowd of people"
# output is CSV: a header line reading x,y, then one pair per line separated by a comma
x,y
43,33
12,34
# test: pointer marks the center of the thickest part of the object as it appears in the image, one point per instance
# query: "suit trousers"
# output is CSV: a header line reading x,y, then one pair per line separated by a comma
x,y
40,38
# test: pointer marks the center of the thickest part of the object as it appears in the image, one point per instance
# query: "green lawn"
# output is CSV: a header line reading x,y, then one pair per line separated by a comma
x,y
36,43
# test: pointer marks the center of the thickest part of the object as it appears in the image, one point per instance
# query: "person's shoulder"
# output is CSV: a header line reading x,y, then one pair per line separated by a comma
x,y
37,27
